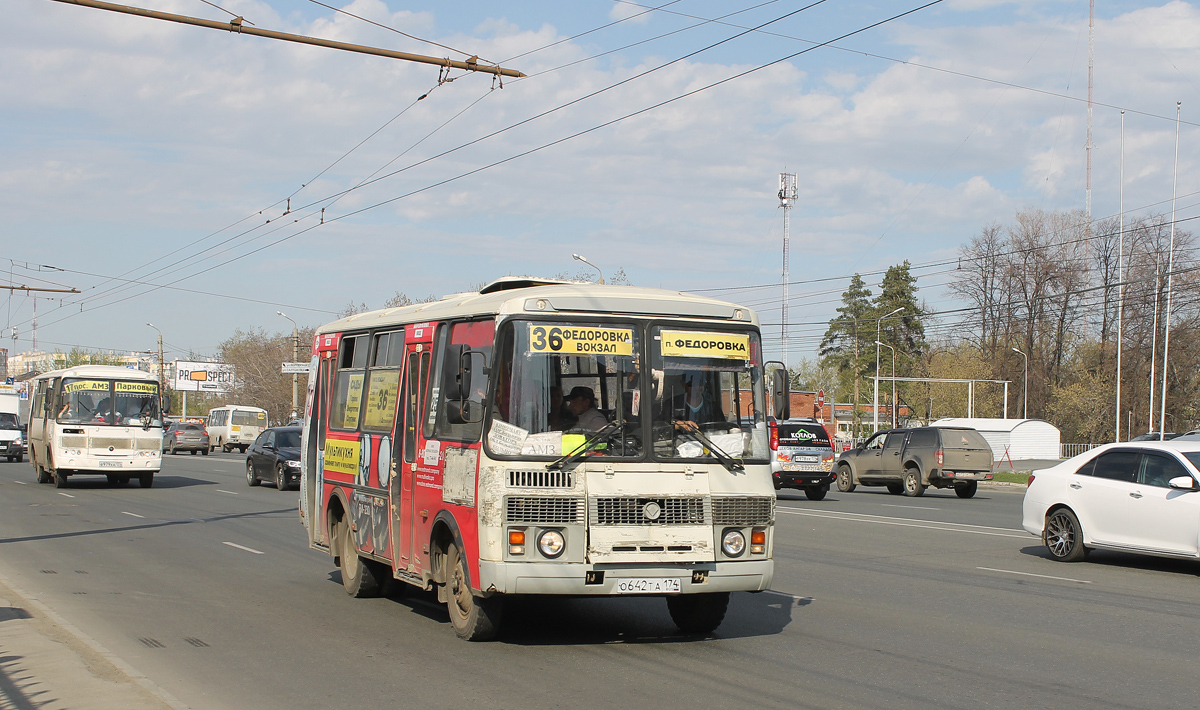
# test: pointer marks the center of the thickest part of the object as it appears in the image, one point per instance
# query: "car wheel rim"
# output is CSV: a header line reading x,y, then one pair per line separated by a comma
x,y
1060,535
910,482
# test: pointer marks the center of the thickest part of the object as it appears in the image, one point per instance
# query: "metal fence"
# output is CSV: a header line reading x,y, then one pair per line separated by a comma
x,y
1066,451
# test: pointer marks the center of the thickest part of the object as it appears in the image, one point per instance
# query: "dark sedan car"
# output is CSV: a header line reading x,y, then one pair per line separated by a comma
x,y
275,456
185,436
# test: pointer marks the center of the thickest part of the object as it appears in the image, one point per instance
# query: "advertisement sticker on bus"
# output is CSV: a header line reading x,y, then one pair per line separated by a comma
x,y
353,402
380,407
341,456
568,340
686,343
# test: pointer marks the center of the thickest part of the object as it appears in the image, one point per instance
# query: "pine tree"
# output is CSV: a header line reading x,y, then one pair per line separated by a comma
x,y
842,347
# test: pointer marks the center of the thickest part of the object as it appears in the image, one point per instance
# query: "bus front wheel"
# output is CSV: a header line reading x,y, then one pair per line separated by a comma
x,y
146,480
474,618
698,613
60,479
43,476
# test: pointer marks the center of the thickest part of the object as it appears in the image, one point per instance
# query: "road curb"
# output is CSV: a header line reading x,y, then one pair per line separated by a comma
x,y
32,640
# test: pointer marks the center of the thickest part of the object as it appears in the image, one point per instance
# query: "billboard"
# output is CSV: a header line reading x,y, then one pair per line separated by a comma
x,y
214,377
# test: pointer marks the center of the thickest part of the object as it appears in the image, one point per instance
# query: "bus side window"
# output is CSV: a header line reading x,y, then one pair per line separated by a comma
x,y
463,366
346,408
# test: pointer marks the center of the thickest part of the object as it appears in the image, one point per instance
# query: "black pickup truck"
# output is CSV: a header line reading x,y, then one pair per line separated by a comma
x,y
909,460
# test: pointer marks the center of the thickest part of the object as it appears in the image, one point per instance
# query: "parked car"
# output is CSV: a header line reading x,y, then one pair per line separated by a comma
x,y
1141,497
1156,436
802,457
185,436
12,437
910,460
275,456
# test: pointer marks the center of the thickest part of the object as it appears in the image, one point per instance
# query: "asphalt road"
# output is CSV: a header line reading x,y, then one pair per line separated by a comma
x,y
208,588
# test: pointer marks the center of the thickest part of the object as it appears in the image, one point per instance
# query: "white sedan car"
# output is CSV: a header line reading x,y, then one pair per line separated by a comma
x,y
1141,497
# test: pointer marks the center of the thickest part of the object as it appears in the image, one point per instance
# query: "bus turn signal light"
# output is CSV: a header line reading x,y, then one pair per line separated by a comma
x,y
516,542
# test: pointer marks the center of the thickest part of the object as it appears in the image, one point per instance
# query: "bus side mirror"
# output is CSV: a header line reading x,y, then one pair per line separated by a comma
x,y
166,404
781,393
460,407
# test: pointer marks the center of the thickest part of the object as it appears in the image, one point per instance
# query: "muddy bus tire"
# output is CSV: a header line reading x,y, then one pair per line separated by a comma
x,y
474,618
698,613
60,479
43,476
359,576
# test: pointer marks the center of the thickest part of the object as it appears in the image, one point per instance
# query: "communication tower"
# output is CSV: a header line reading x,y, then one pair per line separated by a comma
x,y
787,199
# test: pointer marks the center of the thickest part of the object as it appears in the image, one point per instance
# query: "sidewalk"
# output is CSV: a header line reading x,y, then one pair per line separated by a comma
x,y
45,662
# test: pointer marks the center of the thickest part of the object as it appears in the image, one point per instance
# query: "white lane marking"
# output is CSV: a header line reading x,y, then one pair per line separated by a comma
x,y
229,492
795,597
20,482
133,514
910,523
1030,574
247,549
67,495
910,507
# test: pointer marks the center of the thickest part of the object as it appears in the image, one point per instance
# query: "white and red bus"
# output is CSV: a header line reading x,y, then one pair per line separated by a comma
x,y
440,449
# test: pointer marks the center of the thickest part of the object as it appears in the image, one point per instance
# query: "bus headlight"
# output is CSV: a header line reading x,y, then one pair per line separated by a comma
x,y
733,543
551,543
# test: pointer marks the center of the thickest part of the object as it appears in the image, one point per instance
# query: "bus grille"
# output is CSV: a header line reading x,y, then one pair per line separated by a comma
x,y
116,442
529,509
74,441
743,511
541,479
638,511
149,444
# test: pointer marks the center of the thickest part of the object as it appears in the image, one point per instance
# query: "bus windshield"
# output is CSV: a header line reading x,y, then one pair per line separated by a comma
x,y
708,398
108,402
558,383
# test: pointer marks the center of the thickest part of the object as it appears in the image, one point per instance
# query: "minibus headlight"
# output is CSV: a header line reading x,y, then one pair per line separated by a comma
x,y
551,543
733,543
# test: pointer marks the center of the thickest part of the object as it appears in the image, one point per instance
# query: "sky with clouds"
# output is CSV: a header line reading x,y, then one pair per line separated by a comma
x,y
202,180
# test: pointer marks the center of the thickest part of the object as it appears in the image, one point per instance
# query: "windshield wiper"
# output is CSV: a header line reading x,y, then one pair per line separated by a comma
x,y
718,453
590,443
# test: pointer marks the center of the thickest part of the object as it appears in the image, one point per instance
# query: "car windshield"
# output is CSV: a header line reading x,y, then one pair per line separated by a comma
x,y
708,383
108,402
194,427
287,439
558,383
8,421
1193,457
803,435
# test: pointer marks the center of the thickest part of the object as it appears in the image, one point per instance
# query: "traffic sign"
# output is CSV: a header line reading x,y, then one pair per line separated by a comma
x,y
821,398
295,368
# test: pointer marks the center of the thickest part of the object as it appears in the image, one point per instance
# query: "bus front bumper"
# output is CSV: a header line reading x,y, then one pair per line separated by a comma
x,y
606,579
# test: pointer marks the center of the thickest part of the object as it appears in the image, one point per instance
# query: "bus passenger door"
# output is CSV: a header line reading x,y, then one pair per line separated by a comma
x,y
405,452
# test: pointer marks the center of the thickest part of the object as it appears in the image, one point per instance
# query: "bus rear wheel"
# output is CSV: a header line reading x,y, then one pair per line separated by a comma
x,y
474,618
698,613
360,577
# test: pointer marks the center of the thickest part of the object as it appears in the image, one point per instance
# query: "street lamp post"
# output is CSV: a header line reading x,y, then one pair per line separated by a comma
x,y
1026,387
295,354
875,402
577,257
889,347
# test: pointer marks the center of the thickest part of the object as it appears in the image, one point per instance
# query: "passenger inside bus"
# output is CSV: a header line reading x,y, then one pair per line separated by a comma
x,y
695,405
581,403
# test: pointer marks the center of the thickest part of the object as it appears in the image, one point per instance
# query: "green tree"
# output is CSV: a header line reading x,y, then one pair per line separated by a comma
x,y
843,347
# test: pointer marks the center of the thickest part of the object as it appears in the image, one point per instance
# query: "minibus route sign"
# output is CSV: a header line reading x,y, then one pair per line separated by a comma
x,y
572,340
726,346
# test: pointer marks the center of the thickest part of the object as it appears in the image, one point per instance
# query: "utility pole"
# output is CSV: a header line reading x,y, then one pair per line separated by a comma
x,y
237,25
162,367
787,199
295,354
